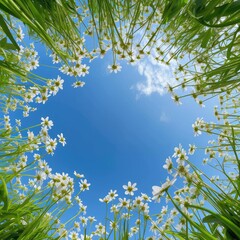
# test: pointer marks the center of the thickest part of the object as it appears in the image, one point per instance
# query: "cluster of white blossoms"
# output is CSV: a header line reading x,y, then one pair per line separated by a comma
x,y
28,58
28,88
125,209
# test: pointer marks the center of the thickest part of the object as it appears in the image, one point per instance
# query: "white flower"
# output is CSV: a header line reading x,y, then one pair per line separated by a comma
x,y
159,191
105,199
74,235
130,188
46,123
100,228
112,194
20,34
83,221
77,226
124,202
84,185
84,70
177,151
191,149
91,219
40,176
51,143
58,82
169,165
18,122
144,207
176,99
182,156
78,84
197,126
34,64
114,68
61,139
137,201
78,175
114,208
145,197
113,225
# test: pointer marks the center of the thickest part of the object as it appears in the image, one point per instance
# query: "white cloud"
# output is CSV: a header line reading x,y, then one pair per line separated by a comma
x,y
164,117
157,76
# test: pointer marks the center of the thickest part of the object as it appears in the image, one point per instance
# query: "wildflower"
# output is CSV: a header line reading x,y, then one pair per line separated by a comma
x,y
84,70
130,188
164,210
83,221
114,209
113,225
176,99
91,219
124,202
30,136
24,158
34,64
169,165
61,139
78,175
182,170
191,149
55,58
47,171
42,163
74,235
105,199
112,194
83,208
20,34
78,84
114,68
145,197
177,151
59,82
126,216
51,143
197,126
77,226
138,201
6,118
205,160
144,207
46,123
159,191
84,185
138,222
78,200
182,156
44,134
100,228
18,122
40,177
134,230
173,212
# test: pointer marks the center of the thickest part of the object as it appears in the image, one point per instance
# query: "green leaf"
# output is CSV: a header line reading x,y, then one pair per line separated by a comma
x,y
223,221
5,45
211,219
206,38
4,194
172,9
7,32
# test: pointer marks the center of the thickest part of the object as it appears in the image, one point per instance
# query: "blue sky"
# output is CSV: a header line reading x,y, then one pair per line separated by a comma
x,y
114,133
